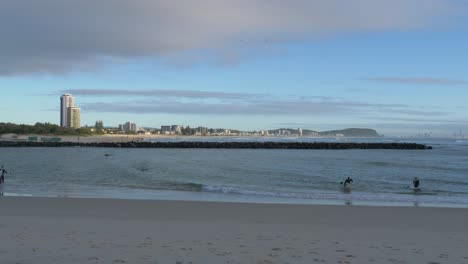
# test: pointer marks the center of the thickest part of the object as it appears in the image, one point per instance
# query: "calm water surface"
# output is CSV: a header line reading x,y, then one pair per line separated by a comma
x,y
246,175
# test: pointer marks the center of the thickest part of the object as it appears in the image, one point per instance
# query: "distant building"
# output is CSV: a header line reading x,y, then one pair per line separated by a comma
x,y
73,117
165,129
66,101
176,129
201,131
128,127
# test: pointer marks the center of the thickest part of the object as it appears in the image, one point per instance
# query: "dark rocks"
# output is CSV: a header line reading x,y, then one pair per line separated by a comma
x,y
222,145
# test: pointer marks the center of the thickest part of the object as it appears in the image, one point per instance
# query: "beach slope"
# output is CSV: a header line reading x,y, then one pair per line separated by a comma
x,y
66,230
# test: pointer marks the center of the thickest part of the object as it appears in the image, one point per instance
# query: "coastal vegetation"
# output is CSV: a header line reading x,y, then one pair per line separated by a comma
x,y
44,129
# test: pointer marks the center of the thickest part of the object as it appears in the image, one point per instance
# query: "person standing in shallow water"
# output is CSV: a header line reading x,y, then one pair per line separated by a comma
x,y
2,174
416,182
348,181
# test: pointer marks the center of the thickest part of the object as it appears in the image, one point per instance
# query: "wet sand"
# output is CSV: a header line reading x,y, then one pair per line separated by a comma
x,y
66,230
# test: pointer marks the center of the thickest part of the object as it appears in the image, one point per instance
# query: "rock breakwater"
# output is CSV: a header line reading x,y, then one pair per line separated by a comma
x,y
223,145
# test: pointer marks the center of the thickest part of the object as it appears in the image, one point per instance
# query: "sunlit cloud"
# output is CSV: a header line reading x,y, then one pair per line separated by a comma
x,y
59,36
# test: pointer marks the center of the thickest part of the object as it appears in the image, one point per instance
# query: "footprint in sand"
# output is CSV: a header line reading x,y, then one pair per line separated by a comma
x,y
265,261
395,260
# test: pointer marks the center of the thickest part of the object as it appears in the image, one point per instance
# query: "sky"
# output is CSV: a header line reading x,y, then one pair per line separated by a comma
x,y
397,66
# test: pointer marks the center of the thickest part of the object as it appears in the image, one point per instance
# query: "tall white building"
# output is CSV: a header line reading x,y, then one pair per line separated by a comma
x,y
69,114
74,117
66,101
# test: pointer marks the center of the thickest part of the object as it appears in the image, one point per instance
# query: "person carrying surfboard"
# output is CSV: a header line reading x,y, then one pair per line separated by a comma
x,y
416,182
2,174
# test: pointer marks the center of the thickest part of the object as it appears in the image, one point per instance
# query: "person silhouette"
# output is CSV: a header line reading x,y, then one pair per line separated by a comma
x,y
348,181
416,182
2,174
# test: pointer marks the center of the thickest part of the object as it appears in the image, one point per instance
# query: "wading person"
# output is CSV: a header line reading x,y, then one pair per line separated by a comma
x,y
2,174
416,182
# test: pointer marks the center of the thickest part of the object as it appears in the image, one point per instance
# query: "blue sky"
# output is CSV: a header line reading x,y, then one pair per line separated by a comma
x,y
397,66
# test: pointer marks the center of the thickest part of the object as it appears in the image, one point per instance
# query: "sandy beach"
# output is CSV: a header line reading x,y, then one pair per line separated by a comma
x,y
108,138
66,230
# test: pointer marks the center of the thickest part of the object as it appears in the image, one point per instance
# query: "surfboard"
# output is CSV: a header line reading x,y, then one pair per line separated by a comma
x,y
414,188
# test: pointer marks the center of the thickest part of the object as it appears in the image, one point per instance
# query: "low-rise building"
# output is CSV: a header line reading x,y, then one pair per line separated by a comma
x,y
176,129
166,130
128,127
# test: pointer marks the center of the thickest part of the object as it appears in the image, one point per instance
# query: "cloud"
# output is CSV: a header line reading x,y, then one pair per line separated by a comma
x,y
194,94
423,80
58,36
413,112
189,102
405,128
425,120
260,106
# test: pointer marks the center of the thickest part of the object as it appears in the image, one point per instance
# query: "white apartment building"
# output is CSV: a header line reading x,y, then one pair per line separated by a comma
x,y
129,127
70,115
66,101
74,117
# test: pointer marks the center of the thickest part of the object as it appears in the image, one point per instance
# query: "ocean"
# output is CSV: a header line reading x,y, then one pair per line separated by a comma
x,y
381,177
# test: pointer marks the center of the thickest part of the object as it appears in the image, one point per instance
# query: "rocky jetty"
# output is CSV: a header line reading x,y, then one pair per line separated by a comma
x,y
222,145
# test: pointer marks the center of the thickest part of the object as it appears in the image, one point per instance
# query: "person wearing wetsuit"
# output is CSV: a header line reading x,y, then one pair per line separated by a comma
x,y
416,182
347,181
2,174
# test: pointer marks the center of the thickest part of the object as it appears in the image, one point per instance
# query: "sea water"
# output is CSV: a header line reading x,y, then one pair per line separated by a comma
x,y
381,177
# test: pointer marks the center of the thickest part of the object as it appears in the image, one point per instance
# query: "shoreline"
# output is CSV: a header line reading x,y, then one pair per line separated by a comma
x,y
210,197
76,230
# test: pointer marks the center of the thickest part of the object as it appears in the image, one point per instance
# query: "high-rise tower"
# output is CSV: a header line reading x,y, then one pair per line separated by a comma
x,y
66,101
74,117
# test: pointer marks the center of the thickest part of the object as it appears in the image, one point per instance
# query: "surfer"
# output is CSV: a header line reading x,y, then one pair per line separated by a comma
x,y
2,174
347,182
416,182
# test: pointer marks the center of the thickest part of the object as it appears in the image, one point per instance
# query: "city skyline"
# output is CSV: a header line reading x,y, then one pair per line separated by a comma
x,y
397,66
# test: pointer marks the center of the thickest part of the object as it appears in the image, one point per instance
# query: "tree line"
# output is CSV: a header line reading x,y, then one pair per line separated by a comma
x,y
42,129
